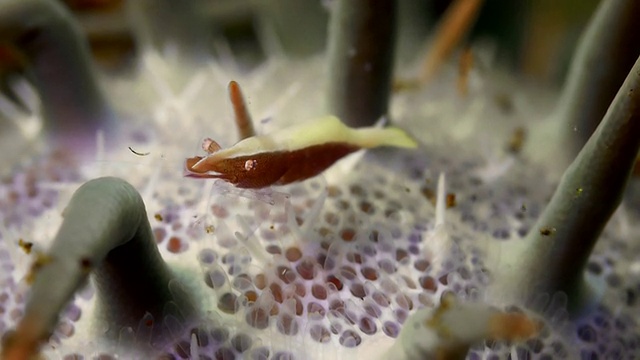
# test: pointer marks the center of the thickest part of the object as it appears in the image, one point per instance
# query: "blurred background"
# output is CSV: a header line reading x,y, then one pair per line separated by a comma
x,y
534,38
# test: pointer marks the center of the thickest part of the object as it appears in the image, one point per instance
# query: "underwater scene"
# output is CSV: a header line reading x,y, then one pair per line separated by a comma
x,y
337,179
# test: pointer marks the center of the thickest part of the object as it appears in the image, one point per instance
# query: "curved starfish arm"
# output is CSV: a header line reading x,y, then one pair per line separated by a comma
x,y
553,256
361,52
59,64
607,50
105,232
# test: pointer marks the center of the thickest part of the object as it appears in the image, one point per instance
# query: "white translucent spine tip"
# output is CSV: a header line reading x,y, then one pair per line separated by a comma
x,y
195,350
204,206
314,214
28,122
100,150
252,244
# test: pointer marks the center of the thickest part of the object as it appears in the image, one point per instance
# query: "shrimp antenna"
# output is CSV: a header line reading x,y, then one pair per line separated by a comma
x,y
240,111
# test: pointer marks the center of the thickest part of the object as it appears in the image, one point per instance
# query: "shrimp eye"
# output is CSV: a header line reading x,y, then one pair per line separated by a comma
x,y
250,165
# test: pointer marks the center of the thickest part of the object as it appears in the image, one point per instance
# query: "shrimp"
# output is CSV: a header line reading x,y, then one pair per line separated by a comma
x,y
289,155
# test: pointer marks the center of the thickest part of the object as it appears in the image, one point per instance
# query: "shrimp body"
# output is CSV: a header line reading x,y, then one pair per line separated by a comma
x,y
293,154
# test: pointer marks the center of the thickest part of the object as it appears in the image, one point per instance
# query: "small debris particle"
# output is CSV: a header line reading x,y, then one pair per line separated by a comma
x,y
158,217
209,229
429,194
504,102
138,153
547,231
85,264
451,200
40,261
26,246
402,85
516,141
523,207
579,192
